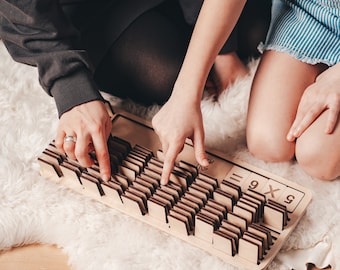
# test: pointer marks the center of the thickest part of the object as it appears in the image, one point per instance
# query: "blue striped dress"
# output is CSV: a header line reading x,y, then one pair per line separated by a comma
x,y
309,30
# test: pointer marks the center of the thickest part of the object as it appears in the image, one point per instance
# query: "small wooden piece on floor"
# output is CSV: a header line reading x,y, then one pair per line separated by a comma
x,y
311,266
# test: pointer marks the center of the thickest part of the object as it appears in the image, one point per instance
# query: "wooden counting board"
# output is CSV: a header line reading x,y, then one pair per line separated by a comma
x,y
232,210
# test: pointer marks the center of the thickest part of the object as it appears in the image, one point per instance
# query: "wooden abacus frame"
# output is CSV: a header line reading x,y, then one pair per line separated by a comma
x,y
282,212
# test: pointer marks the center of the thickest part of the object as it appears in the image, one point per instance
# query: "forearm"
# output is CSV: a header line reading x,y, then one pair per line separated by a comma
x,y
214,25
38,34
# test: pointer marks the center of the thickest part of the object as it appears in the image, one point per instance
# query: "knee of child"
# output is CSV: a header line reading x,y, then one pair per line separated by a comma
x,y
265,146
316,161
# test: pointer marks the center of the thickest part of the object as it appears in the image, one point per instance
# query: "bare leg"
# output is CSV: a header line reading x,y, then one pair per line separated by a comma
x,y
276,91
318,153
251,29
227,69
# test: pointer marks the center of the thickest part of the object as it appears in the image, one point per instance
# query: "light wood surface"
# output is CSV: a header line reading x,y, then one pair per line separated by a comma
x,y
34,257
251,188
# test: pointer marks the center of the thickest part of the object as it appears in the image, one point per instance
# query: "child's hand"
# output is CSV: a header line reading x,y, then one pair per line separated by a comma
x,y
322,95
177,120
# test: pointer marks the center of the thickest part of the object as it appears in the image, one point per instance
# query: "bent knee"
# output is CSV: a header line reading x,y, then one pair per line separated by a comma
x,y
317,161
269,148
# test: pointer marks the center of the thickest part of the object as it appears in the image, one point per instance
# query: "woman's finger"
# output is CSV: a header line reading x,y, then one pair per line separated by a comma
x,y
102,154
82,150
69,145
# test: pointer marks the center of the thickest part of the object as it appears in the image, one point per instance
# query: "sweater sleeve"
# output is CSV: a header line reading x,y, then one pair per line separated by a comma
x,y
37,33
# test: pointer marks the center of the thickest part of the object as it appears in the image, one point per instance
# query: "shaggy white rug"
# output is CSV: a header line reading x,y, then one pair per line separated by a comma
x,y
33,209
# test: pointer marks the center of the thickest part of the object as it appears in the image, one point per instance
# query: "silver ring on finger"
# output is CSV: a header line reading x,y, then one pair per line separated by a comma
x,y
70,139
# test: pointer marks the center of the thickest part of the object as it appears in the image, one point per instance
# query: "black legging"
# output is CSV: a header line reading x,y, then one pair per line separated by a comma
x,y
144,62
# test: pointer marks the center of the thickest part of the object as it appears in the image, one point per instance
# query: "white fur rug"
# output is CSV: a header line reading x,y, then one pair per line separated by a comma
x,y
96,237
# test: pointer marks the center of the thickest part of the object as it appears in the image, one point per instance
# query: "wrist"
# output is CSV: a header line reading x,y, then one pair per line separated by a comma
x,y
189,90
74,90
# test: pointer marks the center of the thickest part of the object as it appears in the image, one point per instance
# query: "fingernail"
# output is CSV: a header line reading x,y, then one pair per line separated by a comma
x,y
205,163
289,136
105,178
163,182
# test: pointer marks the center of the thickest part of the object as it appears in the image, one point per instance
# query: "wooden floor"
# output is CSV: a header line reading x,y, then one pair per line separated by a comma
x,y
33,257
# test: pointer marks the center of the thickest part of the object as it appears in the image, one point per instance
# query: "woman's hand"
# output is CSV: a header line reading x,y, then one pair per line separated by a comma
x,y
322,95
177,120
90,126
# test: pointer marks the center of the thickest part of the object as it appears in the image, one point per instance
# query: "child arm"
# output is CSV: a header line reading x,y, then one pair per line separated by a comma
x,y
181,117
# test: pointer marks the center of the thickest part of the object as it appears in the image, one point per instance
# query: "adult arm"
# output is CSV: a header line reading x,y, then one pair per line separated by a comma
x,y
37,33
181,116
